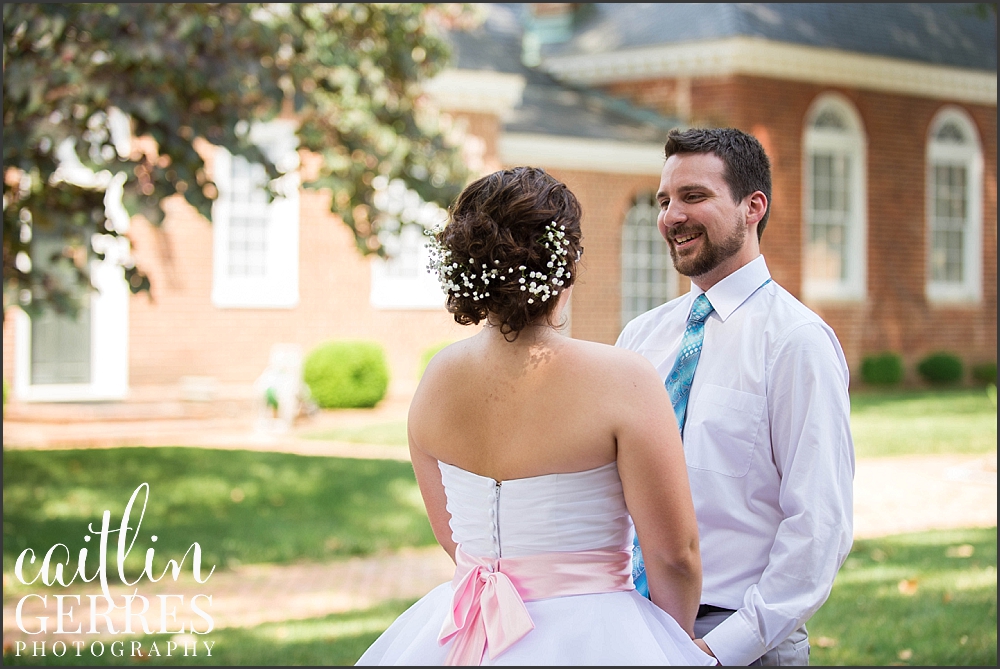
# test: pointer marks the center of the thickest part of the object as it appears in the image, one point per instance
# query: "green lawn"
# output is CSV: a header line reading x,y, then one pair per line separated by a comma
x,y
334,640
392,433
883,423
240,506
923,422
922,599
927,599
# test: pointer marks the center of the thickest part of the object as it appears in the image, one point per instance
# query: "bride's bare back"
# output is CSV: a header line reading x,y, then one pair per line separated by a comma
x,y
543,404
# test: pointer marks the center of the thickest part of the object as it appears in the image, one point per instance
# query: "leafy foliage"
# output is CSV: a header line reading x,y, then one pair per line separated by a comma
x,y
179,75
941,368
985,372
882,369
346,374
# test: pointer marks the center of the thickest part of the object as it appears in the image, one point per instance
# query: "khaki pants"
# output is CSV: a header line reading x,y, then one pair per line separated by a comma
x,y
793,651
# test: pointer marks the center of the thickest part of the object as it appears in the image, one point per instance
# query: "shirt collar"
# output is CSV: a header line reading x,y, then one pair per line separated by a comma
x,y
727,295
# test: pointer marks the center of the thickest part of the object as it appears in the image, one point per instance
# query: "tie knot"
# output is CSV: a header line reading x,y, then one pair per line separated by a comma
x,y
701,309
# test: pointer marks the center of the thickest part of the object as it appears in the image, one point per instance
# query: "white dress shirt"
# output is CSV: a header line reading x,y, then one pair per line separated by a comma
x,y
769,452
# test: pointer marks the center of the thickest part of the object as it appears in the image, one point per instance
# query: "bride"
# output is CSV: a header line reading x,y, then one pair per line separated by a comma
x,y
536,456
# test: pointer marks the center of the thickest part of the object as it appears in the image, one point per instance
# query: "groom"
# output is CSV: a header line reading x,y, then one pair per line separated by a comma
x,y
759,386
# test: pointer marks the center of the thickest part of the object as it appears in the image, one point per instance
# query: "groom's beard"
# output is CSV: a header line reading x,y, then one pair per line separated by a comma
x,y
711,254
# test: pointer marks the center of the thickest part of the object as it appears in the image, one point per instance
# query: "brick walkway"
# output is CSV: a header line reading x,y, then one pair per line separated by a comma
x,y
892,495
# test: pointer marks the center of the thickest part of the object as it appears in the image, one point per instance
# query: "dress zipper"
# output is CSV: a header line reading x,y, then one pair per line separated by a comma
x,y
496,515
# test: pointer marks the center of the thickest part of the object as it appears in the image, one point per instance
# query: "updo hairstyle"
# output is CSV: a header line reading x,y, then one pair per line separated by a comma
x,y
511,246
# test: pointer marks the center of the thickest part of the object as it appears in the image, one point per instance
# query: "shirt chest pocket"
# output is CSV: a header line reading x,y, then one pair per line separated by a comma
x,y
721,430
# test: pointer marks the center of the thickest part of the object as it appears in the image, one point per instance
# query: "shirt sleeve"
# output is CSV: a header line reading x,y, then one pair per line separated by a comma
x,y
624,338
809,411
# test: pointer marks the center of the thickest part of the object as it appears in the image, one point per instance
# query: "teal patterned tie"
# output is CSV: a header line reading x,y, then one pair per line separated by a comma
x,y
679,381
678,387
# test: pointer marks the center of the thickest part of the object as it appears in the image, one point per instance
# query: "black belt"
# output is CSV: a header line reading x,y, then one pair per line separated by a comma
x,y
705,609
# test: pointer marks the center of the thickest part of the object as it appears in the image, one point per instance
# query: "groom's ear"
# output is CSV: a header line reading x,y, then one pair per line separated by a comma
x,y
756,204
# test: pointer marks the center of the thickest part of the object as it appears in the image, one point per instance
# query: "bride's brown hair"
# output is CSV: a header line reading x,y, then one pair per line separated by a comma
x,y
502,221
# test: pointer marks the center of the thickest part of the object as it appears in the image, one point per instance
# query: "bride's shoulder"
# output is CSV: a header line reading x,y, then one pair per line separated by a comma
x,y
615,365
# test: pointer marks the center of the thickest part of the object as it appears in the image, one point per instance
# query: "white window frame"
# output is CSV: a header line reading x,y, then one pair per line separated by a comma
x,y
853,145
969,156
403,279
109,302
278,288
641,219
393,286
109,308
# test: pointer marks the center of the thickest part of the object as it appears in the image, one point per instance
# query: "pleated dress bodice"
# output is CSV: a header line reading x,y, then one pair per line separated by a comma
x,y
551,513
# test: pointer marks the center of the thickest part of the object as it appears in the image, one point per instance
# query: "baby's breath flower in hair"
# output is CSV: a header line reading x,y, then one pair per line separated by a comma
x,y
467,279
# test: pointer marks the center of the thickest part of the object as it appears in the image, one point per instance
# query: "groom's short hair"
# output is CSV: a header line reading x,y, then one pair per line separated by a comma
x,y
747,167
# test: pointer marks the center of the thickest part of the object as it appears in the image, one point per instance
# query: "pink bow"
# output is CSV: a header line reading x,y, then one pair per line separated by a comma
x,y
488,611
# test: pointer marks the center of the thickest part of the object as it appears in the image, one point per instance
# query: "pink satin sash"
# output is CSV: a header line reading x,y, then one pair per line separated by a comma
x,y
488,612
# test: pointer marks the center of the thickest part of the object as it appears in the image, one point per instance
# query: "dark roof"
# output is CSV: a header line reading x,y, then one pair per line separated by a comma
x,y
549,107
495,45
552,108
951,34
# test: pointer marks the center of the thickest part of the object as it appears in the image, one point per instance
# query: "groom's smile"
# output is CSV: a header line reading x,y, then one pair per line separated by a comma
x,y
703,226
682,241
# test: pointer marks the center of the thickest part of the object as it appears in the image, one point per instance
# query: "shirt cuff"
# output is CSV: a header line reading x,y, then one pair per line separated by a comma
x,y
734,642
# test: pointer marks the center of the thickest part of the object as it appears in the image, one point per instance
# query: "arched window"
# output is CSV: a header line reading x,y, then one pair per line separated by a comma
x,y
648,275
954,208
835,201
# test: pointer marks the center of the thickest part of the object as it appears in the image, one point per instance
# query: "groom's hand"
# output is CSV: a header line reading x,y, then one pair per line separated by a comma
x,y
704,646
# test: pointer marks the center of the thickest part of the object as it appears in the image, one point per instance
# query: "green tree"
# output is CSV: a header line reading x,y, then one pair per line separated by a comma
x,y
74,73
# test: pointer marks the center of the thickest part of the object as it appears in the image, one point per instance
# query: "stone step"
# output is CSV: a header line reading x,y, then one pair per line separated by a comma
x,y
192,399
104,412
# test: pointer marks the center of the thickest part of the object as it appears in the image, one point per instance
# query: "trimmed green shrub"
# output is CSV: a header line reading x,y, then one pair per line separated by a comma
x,y
430,352
941,368
882,369
985,373
346,374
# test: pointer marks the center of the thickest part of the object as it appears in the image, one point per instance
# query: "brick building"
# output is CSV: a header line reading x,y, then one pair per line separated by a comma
x,y
880,121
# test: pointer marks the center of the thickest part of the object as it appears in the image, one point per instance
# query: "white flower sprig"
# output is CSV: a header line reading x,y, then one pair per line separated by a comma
x,y
460,279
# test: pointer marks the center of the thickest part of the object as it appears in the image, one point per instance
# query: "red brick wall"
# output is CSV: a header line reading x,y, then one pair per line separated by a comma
x,y
896,314
8,348
605,200
179,332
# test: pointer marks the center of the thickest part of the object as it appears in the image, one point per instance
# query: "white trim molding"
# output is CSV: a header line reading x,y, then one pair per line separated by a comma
x,y
648,276
778,60
845,146
109,338
574,153
967,155
404,281
478,91
276,284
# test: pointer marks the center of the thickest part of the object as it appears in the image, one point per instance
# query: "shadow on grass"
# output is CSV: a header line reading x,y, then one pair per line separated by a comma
x,y
915,599
240,506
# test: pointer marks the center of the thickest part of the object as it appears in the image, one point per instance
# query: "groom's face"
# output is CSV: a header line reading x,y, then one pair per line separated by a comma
x,y
705,229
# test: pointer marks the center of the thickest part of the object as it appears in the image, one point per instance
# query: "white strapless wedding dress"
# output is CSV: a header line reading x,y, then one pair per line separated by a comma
x,y
568,529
